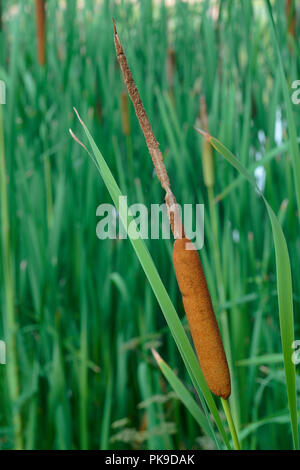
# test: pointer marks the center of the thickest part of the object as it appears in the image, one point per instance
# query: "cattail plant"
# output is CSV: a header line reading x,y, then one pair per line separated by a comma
x,y
41,30
189,272
290,10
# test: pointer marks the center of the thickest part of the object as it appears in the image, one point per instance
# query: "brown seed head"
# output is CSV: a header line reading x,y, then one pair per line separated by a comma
x,y
201,318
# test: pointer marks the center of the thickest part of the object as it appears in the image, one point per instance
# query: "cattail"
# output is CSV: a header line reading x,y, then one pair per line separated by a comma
x,y
290,11
202,321
207,154
125,113
41,30
188,268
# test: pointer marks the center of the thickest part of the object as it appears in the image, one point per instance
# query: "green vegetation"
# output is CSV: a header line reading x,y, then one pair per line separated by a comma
x,y
79,315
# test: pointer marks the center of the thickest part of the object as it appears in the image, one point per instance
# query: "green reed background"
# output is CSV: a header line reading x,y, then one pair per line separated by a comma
x,y
78,313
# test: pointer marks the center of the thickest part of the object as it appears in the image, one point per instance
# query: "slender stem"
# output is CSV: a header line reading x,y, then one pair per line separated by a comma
x,y
41,30
231,425
152,144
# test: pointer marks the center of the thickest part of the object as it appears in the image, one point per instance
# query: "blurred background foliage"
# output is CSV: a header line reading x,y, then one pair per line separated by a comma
x,y
85,317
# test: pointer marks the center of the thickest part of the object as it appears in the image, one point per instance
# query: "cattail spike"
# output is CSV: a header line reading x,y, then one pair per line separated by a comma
x,y
188,268
41,30
201,318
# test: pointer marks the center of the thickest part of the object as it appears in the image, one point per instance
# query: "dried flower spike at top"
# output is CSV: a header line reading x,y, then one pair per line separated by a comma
x,y
151,141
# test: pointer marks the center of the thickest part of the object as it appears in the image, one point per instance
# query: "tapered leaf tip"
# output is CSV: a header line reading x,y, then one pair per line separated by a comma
x,y
156,356
77,114
114,26
77,140
205,134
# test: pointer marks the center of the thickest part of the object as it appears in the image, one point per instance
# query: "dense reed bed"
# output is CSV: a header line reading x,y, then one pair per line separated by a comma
x,y
78,313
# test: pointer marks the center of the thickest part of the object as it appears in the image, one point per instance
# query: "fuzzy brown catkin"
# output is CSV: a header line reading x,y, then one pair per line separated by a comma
x,y
201,318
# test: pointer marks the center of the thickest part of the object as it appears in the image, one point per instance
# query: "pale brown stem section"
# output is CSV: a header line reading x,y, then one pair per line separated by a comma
x,y
152,144
41,30
203,112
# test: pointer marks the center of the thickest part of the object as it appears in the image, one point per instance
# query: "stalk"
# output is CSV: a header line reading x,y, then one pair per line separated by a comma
x,y
41,30
290,10
231,425
10,325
